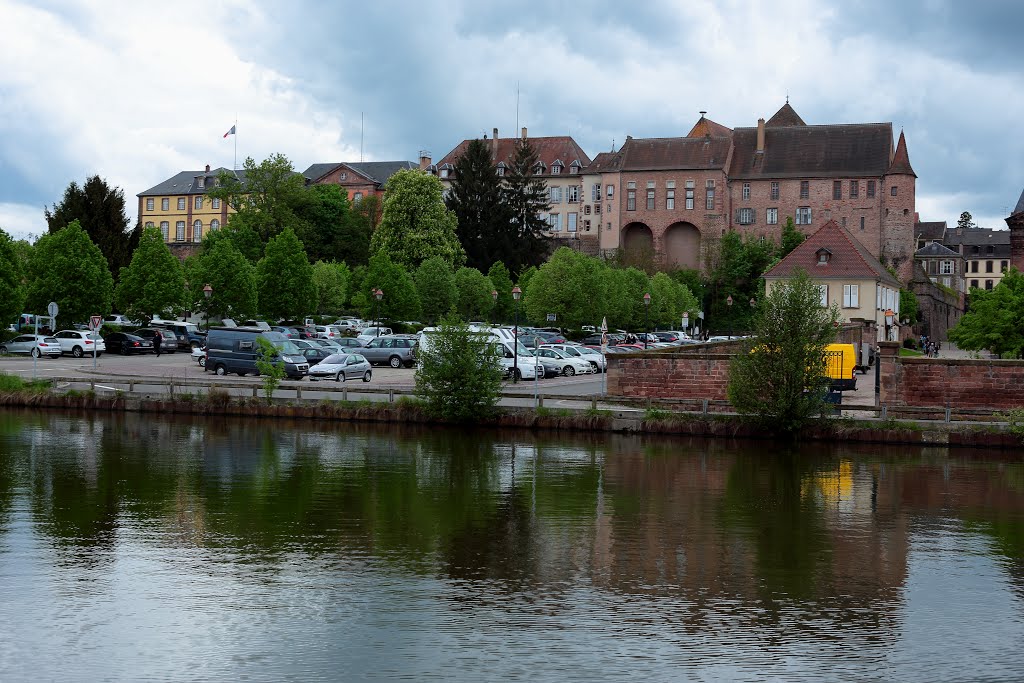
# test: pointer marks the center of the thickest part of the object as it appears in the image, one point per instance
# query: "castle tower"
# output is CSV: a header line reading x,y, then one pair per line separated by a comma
x,y
899,186
1016,224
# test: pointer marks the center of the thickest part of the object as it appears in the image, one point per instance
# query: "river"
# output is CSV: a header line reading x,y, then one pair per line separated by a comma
x,y
139,548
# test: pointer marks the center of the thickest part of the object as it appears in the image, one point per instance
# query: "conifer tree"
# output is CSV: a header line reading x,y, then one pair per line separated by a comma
x,y
527,198
477,199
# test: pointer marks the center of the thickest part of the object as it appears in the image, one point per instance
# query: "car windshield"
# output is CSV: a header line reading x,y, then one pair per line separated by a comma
x,y
569,351
287,347
335,359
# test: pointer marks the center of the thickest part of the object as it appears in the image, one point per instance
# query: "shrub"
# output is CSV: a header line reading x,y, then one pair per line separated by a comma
x,y
270,367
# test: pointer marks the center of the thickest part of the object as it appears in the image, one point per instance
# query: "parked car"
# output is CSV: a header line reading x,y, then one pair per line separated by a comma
x,y
79,343
582,352
566,364
395,350
118,320
199,355
32,344
314,355
290,332
235,349
169,343
257,324
125,343
303,344
188,335
340,344
328,331
342,366
368,333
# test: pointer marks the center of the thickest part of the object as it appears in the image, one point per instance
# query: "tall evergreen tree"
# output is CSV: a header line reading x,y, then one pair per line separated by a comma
x,y
527,198
100,211
477,199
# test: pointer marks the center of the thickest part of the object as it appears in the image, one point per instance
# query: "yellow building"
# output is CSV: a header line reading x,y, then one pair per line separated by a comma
x,y
181,208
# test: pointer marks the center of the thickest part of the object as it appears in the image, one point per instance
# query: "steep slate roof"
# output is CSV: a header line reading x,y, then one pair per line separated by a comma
x,y
1020,205
977,236
605,162
930,230
549,149
784,117
706,126
849,259
842,150
674,153
936,250
377,171
901,160
185,182
318,171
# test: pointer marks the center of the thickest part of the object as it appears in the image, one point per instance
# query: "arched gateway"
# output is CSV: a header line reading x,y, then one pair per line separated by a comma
x,y
682,245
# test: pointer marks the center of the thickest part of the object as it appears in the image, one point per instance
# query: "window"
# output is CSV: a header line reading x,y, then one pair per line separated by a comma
x,y
854,189
974,283
823,295
199,203
555,222
630,200
709,195
803,215
946,268
597,208
149,224
988,284
805,189
149,204
990,249
574,168
556,194
988,266
851,296
179,231
775,190
214,225
165,230
181,203
974,266
573,192
357,196
650,200
1003,265
197,231
746,191
892,190
631,185
214,203
609,191
586,225
745,216
837,189
572,222
871,189
862,222
595,192
772,217
342,176
823,255
586,209
444,172
165,204
501,171
689,194
670,199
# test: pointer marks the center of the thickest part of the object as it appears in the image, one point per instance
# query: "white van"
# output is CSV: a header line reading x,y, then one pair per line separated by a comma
x,y
522,362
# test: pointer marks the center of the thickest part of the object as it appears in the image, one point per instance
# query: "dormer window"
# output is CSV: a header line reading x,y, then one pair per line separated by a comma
x,y
556,168
539,168
342,177
824,256
501,169
201,182
575,167
444,172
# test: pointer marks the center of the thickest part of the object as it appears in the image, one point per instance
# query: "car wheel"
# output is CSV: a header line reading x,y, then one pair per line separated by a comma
x,y
395,362
367,376
77,352
3,350
340,377
220,370
517,374
202,361
569,371
36,353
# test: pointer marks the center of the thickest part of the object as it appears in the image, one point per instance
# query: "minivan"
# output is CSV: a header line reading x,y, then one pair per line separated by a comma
x,y
187,335
236,349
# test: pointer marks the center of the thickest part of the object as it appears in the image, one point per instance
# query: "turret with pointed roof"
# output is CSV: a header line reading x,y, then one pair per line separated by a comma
x,y
1015,222
705,127
901,160
786,116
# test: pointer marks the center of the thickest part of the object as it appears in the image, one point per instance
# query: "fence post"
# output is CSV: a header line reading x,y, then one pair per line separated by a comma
x,y
948,411
171,387
593,402
884,412
391,395
92,386
131,386
255,391
705,406
344,394
298,393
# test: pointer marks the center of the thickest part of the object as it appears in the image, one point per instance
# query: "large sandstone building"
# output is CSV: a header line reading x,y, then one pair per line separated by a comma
x,y
671,195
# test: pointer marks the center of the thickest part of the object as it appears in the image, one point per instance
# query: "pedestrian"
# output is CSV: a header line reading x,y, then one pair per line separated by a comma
x,y
158,341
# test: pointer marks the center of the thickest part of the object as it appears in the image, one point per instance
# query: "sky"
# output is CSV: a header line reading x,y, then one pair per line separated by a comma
x,y
136,92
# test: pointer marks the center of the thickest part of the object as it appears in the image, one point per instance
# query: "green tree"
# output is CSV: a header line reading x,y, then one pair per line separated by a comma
x,y
623,304
791,238
778,378
526,197
459,375
692,280
265,196
435,284
100,210
570,286
474,294
153,283
669,300
736,266
502,281
478,201
995,321
284,278
270,366
401,301
231,276
908,306
331,281
415,224
966,221
67,267
12,287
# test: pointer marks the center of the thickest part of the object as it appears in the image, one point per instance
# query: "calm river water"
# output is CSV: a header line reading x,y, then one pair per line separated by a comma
x,y
136,548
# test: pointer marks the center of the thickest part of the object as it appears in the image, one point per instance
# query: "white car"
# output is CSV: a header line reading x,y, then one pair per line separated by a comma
x,y
566,364
33,344
199,355
592,356
340,367
368,333
80,343
118,320
328,331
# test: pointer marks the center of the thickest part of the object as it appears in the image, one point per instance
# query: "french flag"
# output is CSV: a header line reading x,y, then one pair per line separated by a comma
x,y
230,132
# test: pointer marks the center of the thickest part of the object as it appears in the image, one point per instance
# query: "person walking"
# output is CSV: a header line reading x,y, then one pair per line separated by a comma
x,y
158,341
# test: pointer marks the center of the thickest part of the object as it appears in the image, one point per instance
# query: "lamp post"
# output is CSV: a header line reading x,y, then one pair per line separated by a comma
x,y
728,302
207,292
753,305
494,297
647,308
516,294
378,294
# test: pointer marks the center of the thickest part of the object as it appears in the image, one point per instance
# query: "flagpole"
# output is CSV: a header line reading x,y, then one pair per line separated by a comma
x,y
234,164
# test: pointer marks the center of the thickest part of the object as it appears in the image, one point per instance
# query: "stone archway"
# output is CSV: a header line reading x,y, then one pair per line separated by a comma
x,y
637,237
682,245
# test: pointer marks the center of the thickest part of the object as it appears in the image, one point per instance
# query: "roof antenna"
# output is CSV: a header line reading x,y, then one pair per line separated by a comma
x,y
702,114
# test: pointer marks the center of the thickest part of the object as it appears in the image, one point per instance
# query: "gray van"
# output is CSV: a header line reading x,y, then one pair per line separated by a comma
x,y
235,349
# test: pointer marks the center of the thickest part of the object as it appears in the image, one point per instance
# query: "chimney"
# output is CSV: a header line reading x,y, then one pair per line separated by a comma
x,y
494,144
524,132
760,136
424,160
207,168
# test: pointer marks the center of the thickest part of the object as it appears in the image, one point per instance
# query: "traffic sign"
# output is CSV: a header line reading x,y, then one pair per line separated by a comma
x,y
551,317
604,324
95,322
51,309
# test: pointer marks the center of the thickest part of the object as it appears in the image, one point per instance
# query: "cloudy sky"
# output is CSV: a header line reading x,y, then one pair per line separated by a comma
x,y
136,92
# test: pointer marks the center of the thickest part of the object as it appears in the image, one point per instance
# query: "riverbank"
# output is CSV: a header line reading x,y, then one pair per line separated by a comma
x,y
407,410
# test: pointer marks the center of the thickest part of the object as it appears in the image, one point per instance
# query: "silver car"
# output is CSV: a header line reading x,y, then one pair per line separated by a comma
x,y
395,350
340,367
32,344
80,343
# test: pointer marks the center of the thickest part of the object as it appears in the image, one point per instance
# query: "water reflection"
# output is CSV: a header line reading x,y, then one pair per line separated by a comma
x,y
584,554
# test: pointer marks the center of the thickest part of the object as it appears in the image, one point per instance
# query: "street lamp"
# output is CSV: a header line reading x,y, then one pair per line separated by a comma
x,y
728,302
647,308
378,294
516,294
494,297
207,292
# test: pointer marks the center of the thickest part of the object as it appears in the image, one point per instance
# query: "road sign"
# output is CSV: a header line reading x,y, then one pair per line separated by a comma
x,y
686,320
95,322
51,309
604,325
551,317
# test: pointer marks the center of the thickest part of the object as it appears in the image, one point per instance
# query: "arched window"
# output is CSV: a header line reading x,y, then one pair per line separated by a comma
x,y
197,231
214,225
